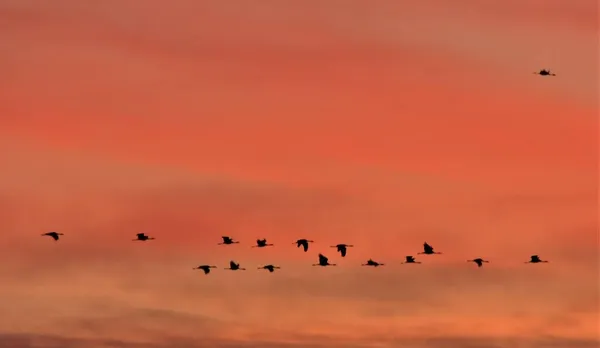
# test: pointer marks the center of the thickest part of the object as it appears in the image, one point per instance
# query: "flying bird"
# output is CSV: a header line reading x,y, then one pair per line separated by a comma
x,y
303,243
410,259
478,261
142,237
270,268
428,249
227,241
341,248
323,261
205,268
544,72
535,259
370,262
261,243
54,235
235,266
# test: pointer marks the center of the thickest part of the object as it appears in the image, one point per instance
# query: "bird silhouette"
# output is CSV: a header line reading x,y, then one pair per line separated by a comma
x,y
227,241
270,268
323,261
261,243
428,249
410,259
544,72
478,261
54,235
235,266
535,259
303,243
370,262
142,237
342,248
205,268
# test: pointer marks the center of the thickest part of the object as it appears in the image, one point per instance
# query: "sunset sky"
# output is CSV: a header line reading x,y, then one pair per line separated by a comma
x,y
382,124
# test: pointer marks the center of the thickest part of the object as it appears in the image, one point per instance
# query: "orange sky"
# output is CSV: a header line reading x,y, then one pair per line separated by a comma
x,y
377,123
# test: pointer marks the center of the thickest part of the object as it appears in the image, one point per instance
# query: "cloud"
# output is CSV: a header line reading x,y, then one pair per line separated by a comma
x,y
48,341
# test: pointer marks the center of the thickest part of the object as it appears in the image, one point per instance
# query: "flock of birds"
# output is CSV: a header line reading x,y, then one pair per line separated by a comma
x,y
323,260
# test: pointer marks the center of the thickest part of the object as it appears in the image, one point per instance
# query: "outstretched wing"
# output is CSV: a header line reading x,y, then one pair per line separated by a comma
x,y
304,245
343,251
232,264
323,258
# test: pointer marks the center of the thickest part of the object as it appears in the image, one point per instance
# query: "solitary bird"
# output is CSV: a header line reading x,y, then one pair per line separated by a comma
x,y
261,243
54,235
142,237
270,268
544,72
342,248
227,241
303,243
205,268
370,262
535,259
428,249
410,259
478,261
323,261
235,266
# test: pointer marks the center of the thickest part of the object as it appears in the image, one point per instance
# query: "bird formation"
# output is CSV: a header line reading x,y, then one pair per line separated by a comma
x,y
304,243
323,260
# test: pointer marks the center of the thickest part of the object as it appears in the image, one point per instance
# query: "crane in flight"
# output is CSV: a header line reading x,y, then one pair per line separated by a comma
x,y
428,250
410,259
370,262
323,261
303,243
535,259
261,243
142,237
205,268
478,261
54,235
227,240
270,268
235,266
341,248
544,72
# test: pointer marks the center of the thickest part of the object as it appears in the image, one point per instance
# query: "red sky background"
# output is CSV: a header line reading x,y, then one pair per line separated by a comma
x,y
381,124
